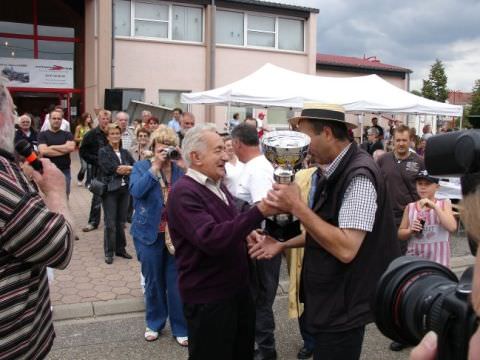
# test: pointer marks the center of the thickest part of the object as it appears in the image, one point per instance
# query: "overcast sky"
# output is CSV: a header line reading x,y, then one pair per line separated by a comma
x,y
407,33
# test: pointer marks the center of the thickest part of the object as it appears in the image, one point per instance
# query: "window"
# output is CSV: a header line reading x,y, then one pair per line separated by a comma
x,y
229,27
122,17
262,31
16,48
171,99
290,34
154,19
186,23
131,94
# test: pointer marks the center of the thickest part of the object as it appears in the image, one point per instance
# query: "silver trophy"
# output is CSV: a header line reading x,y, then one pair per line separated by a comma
x,y
286,150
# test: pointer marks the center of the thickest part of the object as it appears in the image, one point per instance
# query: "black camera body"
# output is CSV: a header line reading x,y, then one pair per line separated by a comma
x,y
172,153
414,295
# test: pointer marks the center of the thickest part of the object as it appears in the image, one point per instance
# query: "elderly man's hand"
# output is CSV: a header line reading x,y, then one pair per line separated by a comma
x,y
52,180
284,197
265,247
427,349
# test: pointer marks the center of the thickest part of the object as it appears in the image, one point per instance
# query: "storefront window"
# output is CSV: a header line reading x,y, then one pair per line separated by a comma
x,y
55,50
16,48
16,28
56,31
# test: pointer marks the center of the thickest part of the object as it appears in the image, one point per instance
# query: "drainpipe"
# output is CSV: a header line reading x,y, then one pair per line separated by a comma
x,y
213,46
113,47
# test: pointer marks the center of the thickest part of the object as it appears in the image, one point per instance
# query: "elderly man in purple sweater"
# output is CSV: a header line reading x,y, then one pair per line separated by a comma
x,y
209,236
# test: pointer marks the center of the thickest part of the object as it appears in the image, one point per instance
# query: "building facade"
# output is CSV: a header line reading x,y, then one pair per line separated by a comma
x,y
151,50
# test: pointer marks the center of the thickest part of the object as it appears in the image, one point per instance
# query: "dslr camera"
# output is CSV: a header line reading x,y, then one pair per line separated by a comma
x,y
172,153
415,296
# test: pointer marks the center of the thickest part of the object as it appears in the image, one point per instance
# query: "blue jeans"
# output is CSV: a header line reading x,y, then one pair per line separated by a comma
x,y
68,179
162,298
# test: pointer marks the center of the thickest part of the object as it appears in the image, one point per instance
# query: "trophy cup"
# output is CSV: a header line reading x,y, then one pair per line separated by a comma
x,y
286,150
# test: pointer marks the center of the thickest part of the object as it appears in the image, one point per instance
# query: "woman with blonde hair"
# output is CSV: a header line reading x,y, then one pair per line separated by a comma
x,y
150,184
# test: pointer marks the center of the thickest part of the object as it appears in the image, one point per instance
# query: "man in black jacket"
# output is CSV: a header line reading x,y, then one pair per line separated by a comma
x,y
350,236
91,143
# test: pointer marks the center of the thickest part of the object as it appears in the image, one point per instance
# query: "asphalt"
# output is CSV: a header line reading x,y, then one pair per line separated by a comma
x,y
89,288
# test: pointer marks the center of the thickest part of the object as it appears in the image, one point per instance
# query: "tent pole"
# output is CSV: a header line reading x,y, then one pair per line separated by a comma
x,y
229,130
360,120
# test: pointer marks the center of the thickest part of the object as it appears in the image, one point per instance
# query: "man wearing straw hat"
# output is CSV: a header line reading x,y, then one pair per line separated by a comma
x,y
350,235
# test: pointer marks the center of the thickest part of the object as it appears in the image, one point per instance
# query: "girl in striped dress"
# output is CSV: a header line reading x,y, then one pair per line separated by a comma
x,y
428,223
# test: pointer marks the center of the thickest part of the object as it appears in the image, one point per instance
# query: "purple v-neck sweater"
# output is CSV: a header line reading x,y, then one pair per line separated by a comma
x,y
209,239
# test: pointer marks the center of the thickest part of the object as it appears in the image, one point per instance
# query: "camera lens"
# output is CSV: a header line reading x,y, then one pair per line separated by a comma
x,y
172,153
409,298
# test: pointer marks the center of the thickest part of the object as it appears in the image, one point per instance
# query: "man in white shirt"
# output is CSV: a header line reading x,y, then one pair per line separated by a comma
x,y
128,135
175,122
254,183
65,126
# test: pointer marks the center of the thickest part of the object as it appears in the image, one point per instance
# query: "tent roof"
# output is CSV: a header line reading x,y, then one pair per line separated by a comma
x,y
273,86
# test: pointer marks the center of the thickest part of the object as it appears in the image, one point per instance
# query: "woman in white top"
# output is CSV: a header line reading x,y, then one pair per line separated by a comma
x,y
233,167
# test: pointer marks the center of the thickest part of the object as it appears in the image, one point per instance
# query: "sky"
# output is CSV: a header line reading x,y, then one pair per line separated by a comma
x,y
406,33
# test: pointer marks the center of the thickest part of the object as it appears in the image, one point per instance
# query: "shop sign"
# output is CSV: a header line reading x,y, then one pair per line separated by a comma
x,y
40,73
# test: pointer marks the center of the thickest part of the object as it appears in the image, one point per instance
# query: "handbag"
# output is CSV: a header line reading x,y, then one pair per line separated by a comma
x,y
97,187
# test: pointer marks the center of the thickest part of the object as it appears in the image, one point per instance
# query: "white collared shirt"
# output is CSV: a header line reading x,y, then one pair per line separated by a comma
x,y
208,183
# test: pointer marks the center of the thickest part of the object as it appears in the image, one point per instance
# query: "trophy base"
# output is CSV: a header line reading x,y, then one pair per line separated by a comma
x,y
282,231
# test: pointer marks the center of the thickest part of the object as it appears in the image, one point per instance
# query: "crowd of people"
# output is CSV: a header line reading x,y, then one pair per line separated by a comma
x,y
208,263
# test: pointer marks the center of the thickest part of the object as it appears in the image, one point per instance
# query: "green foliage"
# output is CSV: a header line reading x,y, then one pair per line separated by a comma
x,y
435,88
475,109
416,92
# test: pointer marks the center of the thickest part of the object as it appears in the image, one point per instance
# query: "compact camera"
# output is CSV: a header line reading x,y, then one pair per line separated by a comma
x,y
172,153
415,296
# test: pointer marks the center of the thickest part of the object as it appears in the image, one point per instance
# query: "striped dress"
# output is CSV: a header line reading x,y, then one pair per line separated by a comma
x,y
434,242
31,237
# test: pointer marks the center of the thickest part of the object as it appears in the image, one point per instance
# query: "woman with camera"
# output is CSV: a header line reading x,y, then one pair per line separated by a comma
x,y
115,166
150,184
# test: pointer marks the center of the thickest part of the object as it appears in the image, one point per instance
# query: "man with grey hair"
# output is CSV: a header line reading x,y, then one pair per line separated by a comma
x,y
35,232
209,235
187,121
146,115
128,136
373,142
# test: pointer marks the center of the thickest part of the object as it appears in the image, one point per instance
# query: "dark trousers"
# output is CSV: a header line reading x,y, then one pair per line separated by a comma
x,y
95,211
268,272
308,338
115,205
346,345
223,330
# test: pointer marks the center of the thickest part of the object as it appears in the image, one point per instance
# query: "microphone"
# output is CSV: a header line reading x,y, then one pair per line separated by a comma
x,y
25,149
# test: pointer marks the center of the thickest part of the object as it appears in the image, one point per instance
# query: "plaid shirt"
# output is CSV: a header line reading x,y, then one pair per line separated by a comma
x,y
359,203
128,139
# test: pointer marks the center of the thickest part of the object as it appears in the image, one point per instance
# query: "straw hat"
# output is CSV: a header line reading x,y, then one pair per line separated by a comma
x,y
325,112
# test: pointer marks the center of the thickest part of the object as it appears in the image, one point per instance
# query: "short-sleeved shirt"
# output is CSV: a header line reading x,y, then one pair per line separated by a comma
x,y
256,180
402,188
57,138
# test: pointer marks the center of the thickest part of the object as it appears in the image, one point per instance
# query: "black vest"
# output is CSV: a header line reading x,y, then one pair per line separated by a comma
x,y
337,296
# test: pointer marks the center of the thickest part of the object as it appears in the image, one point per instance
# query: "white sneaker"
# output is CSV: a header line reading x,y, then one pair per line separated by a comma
x,y
79,183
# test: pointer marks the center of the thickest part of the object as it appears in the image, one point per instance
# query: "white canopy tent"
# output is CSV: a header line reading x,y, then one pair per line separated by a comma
x,y
273,86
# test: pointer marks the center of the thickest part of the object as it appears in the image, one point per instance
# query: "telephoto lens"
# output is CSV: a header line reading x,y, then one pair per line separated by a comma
x,y
172,153
415,296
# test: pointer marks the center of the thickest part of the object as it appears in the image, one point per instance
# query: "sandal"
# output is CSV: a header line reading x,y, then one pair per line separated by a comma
x,y
150,335
182,340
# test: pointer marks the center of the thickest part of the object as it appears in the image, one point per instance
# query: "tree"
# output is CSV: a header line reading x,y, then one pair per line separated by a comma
x,y
475,109
435,88
416,92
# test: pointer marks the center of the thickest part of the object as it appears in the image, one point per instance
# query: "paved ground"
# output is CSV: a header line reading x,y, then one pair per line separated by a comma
x,y
88,278
120,338
98,308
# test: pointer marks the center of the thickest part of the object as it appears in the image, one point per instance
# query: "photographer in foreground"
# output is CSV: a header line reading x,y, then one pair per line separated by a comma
x,y
457,153
350,234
